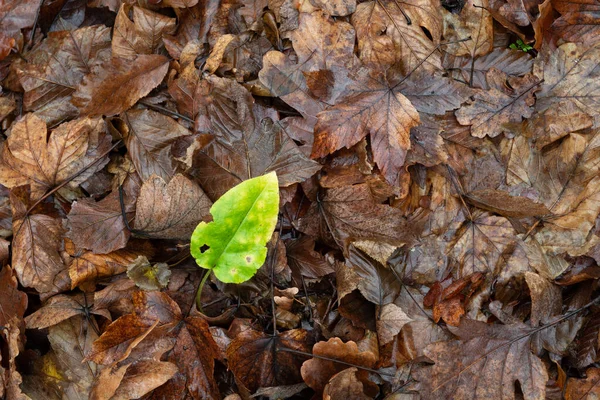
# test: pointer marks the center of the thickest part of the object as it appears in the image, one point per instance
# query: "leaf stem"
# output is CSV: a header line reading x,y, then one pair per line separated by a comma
x,y
199,292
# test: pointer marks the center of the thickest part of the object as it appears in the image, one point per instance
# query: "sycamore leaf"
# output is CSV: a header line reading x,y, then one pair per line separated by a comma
x,y
49,84
351,213
486,362
386,37
233,245
372,106
29,156
578,22
143,36
117,84
170,211
491,110
36,245
570,76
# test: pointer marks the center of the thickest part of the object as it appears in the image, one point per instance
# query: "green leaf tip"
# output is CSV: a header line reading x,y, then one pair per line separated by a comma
x,y
233,245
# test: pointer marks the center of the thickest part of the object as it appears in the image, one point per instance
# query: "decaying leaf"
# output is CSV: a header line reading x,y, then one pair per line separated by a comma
x,y
170,211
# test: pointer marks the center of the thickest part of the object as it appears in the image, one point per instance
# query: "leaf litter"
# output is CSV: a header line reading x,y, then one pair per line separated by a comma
x,y
437,234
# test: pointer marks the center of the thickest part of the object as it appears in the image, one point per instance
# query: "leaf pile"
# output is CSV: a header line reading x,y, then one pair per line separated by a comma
x,y
438,165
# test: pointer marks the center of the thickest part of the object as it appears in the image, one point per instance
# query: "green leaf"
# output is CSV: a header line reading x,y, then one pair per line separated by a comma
x,y
233,245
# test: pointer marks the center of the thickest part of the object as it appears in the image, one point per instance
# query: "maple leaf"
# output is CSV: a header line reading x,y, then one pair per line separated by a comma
x,y
390,33
480,244
50,83
256,146
500,105
72,153
37,243
473,70
374,107
351,213
485,362
578,22
570,76
143,36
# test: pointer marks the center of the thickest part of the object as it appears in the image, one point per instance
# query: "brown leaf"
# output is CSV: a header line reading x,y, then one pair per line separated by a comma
x,y
351,214
57,309
87,267
49,84
116,85
385,36
578,22
546,298
119,339
284,78
16,15
508,100
29,156
260,146
98,226
170,211
375,107
512,63
390,321
377,283
143,36
569,78
147,276
345,385
480,245
12,301
141,377
486,362
36,245
317,372
252,354
149,137
71,340
587,388
475,22
305,261
500,202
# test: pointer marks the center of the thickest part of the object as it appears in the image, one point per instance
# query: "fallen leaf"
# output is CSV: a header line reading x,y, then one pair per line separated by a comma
x,y
584,388
117,84
375,107
73,152
344,385
149,138
98,226
487,356
390,321
170,211
251,354
501,104
147,276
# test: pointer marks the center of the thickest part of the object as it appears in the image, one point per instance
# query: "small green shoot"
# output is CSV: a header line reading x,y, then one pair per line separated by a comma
x,y
233,245
520,45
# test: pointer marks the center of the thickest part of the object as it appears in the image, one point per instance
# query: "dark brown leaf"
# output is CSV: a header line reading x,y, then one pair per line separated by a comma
x,y
116,85
252,356
170,211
